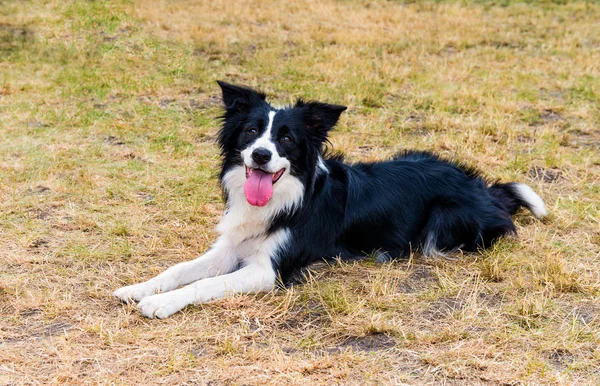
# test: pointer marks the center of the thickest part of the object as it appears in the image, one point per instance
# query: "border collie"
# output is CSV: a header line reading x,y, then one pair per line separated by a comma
x,y
288,205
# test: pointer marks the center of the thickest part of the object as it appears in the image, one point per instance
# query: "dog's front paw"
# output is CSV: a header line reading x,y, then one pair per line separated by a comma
x,y
161,306
134,293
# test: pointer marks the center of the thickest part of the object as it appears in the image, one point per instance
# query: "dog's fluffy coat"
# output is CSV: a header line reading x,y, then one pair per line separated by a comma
x,y
289,205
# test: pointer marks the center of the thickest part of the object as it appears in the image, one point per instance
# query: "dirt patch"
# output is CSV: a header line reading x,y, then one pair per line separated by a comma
x,y
37,243
166,102
57,329
53,329
578,138
441,308
447,51
146,197
198,351
502,44
363,344
550,115
416,117
37,124
585,314
205,138
369,343
525,139
132,156
112,140
560,358
40,190
302,317
297,321
364,149
420,130
490,300
123,32
185,102
30,312
421,279
551,95
39,214
535,117
13,36
546,175
209,102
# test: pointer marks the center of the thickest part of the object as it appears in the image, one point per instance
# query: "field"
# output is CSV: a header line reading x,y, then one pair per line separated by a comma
x,y
108,165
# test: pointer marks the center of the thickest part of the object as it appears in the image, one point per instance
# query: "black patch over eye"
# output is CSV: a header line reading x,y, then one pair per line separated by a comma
x,y
252,131
286,139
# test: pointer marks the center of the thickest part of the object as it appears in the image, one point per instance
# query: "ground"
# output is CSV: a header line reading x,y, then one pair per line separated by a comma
x,y
108,165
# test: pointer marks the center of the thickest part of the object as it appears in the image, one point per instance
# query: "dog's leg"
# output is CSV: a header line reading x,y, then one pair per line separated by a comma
x,y
219,260
257,276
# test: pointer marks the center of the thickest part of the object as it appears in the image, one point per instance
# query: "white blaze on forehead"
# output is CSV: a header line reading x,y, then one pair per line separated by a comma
x,y
265,138
270,124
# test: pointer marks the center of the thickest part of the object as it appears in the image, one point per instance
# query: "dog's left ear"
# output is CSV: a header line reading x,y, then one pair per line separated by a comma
x,y
320,117
239,98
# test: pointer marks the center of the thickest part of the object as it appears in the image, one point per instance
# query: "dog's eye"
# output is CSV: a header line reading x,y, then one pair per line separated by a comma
x,y
286,139
252,131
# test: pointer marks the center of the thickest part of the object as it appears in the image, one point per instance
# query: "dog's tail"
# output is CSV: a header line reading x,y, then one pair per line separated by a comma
x,y
514,195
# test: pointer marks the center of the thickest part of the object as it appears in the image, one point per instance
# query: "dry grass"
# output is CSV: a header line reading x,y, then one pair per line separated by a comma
x,y
107,166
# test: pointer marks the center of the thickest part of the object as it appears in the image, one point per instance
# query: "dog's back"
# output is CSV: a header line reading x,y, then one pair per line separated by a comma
x,y
415,202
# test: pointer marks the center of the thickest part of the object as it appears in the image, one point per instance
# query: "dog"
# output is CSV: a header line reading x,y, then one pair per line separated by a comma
x,y
289,204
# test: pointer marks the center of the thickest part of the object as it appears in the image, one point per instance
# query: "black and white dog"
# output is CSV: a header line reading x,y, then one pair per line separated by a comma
x,y
289,205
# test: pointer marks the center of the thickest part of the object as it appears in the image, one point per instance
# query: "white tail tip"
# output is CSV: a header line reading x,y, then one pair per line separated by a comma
x,y
533,202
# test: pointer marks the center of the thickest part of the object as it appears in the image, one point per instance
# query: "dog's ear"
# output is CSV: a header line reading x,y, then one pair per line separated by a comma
x,y
239,98
320,117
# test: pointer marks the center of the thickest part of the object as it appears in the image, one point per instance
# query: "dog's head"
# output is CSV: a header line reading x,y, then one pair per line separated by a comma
x,y
274,146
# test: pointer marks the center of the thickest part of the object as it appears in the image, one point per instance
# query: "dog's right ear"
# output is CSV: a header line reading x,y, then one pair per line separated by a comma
x,y
319,117
239,99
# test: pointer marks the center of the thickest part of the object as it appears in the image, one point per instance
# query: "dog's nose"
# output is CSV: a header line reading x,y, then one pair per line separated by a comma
x,y
261,156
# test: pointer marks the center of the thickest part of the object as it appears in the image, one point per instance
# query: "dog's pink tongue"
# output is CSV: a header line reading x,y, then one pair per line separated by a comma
x,y
258,187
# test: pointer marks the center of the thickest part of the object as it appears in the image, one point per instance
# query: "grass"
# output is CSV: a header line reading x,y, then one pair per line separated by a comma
x,y
107,177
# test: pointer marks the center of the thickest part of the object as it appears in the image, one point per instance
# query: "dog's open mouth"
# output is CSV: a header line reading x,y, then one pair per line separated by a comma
x,y
258,187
